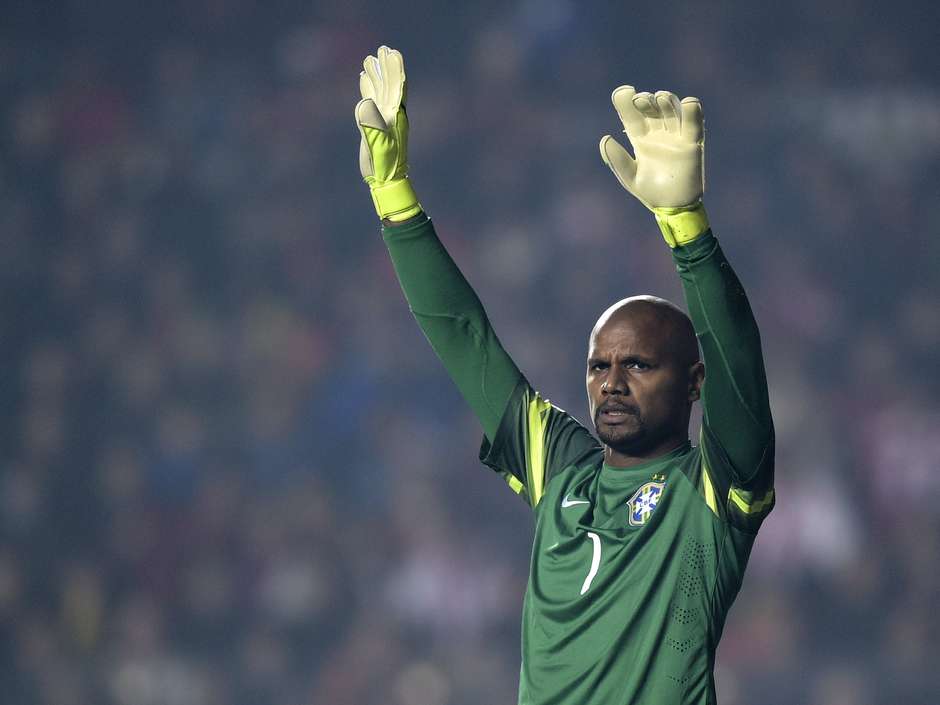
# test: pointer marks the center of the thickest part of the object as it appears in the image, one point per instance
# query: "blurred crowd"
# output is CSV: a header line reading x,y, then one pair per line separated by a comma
x,y
232,471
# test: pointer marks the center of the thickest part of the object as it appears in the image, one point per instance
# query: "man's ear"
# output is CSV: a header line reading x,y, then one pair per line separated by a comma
x,y
696,378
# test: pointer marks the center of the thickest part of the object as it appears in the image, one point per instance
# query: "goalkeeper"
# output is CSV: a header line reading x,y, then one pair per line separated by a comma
x,y
641,539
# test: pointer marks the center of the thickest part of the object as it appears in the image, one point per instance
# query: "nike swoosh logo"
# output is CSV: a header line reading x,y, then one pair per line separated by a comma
x,y
566,502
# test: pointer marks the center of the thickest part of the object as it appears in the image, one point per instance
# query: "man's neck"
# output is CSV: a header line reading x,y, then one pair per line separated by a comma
x,y
629,459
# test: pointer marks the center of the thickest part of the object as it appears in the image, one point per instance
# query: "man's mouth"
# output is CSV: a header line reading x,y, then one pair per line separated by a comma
x,y
615,413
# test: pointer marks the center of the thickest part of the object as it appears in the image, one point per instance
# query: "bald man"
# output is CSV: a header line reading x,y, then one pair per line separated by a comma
x,y
643,373
641,538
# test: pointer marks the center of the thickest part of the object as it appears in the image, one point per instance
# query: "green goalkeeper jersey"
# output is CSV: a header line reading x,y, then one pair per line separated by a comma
x,y
632,570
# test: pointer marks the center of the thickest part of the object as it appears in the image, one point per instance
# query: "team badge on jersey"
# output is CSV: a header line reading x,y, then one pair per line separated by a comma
x,y
641,505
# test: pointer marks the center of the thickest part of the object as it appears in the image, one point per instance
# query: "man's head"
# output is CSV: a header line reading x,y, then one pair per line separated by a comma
x,y
643,373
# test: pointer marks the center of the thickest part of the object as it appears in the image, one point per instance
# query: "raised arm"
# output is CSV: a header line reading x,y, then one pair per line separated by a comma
x,y
736,410
453,320
444,304
667,176
528,441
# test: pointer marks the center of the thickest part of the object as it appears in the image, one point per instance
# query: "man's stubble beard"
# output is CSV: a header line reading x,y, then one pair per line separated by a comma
x,y
637,441
629,441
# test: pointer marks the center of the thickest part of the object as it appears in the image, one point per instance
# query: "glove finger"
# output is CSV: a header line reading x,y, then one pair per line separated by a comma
x,y
670,109
633,123
368,115
365,86
387,80
371,66
693,120
646,105
619,161
393,69
381,66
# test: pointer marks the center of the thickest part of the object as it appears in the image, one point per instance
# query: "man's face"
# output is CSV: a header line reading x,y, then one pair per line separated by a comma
x,y
640,386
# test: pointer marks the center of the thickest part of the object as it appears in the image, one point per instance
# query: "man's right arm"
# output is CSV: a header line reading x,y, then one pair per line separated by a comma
x,y
527,439
453,320
447,309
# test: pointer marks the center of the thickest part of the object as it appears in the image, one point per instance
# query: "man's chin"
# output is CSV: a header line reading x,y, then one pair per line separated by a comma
x,y
621,440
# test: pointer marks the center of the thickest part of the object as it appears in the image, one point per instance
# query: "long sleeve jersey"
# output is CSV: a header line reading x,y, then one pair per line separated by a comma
x,y
632,570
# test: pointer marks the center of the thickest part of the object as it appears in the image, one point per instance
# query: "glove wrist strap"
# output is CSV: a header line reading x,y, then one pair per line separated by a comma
x,y
394,200
682,225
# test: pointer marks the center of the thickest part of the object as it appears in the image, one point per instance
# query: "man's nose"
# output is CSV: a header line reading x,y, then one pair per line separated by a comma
x,y
615,383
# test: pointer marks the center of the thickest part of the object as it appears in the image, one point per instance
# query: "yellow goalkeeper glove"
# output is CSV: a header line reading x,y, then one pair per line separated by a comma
x,y
667,175
383,126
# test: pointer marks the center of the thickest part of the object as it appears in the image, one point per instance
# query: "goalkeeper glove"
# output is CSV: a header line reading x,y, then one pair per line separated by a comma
x,y
667,175
383,126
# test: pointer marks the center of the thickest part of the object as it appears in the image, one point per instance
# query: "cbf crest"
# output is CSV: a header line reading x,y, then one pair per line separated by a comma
x,y
644,501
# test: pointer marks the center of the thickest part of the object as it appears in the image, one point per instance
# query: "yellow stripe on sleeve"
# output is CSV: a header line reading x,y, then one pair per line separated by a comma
x,y
536,417
744,500
709,489
514,484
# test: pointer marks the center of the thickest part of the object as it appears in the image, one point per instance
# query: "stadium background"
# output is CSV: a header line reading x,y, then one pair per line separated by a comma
x,y
231,470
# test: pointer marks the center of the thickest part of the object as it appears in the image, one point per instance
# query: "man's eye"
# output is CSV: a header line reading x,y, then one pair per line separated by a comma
x,y
637,365
598,366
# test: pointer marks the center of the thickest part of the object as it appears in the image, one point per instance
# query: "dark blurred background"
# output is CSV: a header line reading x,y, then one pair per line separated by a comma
x,y
232,471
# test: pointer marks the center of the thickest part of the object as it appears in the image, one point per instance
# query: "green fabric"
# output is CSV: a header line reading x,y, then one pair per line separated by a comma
x,y
644,627
452,318
737,428
563,440
632,570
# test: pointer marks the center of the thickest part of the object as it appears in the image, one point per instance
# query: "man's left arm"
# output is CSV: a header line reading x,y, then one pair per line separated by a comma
x,y
666,174
737,429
